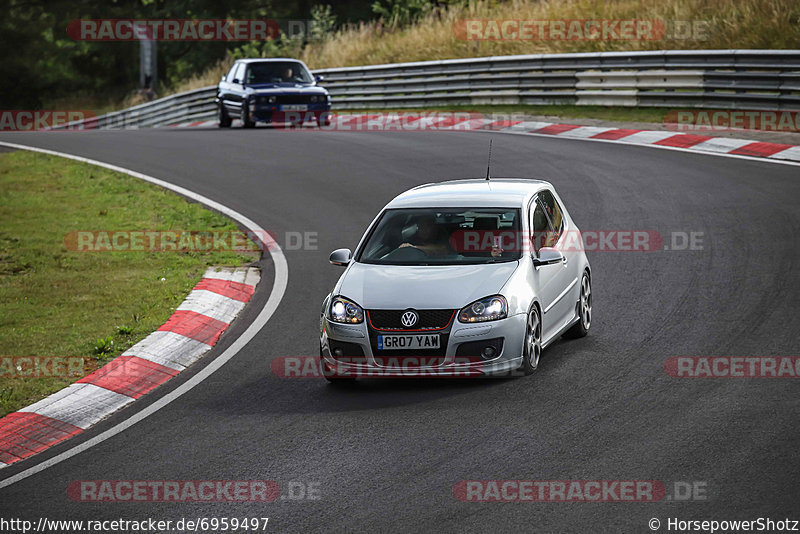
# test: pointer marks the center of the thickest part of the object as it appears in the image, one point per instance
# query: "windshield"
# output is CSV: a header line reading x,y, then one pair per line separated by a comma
x,y
443,236
277,72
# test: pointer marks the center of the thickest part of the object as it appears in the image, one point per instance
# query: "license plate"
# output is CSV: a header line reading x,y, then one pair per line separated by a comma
x,y
294,107
405,342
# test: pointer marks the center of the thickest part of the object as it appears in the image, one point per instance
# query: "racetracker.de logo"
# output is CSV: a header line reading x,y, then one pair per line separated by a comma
x,y
580,30
498,242
710,120
173,30
391,367
173,490
559,490
167,241
21,120
733,366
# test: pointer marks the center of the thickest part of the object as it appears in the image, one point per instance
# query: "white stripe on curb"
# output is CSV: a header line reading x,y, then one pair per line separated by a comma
x,y
80,405
280,281
790,153
721,144
585,131
527,126
169,349
645,137
241,276
212,305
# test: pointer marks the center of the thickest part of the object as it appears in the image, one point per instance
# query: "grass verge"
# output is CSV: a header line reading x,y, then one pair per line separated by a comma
x,y
55,302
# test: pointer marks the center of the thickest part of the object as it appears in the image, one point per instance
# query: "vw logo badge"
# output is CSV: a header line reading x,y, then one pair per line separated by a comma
x,y
409,318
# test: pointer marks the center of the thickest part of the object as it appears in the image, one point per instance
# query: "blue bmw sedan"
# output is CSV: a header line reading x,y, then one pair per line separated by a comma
x,y
271,90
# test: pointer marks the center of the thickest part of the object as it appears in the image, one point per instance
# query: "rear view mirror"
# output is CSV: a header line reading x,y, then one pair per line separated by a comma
x,y
340,257
548,256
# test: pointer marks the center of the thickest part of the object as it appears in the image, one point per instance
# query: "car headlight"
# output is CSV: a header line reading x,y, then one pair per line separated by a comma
x,y
345,311
272,100
487,309
314,98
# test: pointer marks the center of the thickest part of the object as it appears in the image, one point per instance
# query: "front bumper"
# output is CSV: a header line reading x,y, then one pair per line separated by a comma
x,y
273,112
453,363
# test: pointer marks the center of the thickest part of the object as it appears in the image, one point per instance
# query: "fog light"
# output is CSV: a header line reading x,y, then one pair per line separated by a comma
x,y
488,353
338,353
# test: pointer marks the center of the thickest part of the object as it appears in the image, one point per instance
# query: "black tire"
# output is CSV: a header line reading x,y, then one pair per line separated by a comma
x,y
532,345
224,119
581,328
245,117
331,376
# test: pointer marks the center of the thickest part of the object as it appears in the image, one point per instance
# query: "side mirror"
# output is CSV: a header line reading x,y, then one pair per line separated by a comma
x,y
319,78
340,257
548,256
222,78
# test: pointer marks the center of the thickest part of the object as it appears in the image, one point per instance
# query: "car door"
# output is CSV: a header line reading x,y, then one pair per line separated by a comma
x,y
225,87
557,284
236,91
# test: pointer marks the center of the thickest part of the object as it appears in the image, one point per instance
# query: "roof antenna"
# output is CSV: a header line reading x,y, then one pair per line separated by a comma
x,y
489,163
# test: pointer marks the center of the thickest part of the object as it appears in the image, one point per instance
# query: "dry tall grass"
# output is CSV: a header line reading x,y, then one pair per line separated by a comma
x,y
732,24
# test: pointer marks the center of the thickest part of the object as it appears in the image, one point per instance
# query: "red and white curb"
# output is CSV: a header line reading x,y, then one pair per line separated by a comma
x,y
192,330
687,141
659,138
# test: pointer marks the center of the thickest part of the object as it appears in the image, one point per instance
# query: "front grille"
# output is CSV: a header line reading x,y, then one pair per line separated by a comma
x,y
294,99
428,319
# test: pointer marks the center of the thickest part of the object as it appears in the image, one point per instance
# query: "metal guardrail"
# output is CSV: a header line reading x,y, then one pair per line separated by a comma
x,y
720,79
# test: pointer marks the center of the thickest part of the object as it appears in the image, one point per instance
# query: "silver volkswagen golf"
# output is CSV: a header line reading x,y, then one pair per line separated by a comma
x,y
455,279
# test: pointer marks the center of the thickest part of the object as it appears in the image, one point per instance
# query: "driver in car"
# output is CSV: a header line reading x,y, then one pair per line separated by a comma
x,y
288,75
431,238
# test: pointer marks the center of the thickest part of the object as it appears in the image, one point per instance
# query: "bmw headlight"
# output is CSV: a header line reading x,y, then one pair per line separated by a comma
x,y
345,311
486,309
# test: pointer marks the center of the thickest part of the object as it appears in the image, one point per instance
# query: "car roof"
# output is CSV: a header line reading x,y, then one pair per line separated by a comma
x,y
473,192
267,60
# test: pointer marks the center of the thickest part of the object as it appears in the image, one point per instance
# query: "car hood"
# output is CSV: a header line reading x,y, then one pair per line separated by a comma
x,y
285,88
425,287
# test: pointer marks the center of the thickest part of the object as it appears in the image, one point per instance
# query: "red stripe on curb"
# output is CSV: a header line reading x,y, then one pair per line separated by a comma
x,y
23,434
760,149
226,288
499,125
194,325
683,140
555,129
617,133
130,375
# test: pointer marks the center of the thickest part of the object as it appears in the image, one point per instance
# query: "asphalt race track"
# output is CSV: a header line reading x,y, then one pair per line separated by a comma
x,y
386,453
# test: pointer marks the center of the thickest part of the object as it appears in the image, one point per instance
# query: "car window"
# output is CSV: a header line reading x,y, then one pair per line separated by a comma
x,y
229,77
240,72
443,236
540,223
553,210
278,72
